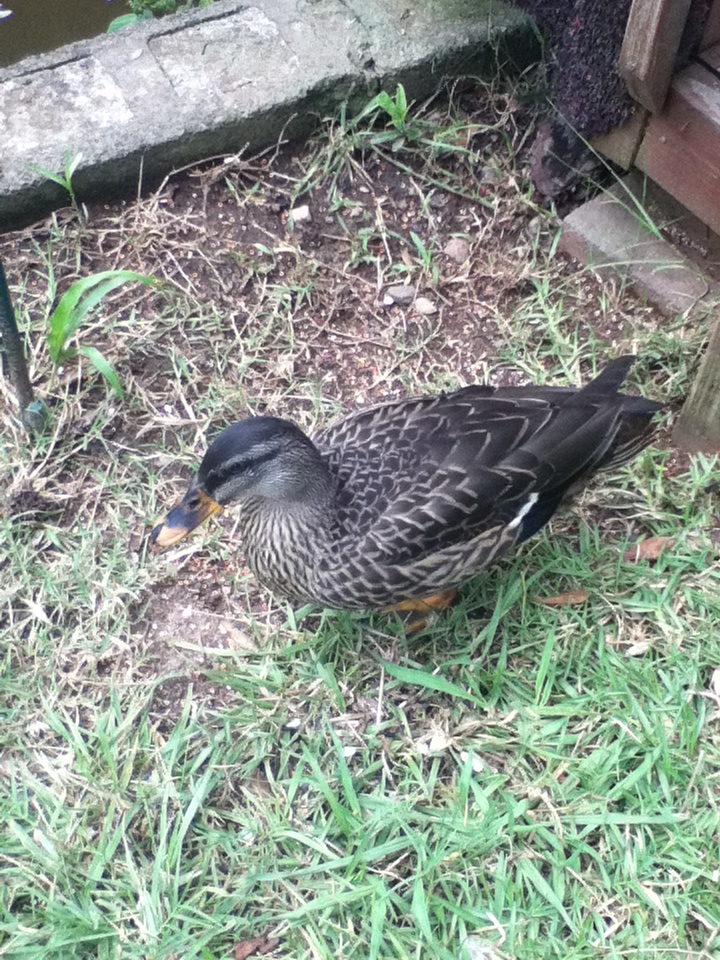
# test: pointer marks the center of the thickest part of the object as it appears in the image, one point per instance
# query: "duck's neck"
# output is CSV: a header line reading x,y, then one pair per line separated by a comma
x,y
283,540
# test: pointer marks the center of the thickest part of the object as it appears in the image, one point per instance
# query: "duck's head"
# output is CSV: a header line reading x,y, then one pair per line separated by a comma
x,y
259,457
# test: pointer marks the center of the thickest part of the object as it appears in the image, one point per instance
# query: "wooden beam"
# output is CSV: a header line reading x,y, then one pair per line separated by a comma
x,y
711,57
711,35
681,147
698,426
621,145
649,49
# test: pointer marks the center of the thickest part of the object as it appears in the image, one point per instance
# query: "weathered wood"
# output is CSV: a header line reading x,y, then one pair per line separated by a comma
x,y
711,34
698,426
711,57
621,145
681,147
648,53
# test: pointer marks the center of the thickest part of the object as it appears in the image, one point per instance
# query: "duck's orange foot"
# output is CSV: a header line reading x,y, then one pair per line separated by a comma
x,y
425,608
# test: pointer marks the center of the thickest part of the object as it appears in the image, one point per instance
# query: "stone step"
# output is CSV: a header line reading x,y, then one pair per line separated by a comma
x,y
233,76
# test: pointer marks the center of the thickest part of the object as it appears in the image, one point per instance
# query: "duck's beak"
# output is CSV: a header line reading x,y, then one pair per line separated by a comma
x,y
194,508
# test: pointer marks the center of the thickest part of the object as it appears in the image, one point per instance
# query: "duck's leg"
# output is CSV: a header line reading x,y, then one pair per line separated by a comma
x,y
424,607
438,601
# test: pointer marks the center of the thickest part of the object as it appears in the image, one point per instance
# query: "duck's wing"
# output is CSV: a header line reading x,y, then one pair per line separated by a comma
x,y
421,477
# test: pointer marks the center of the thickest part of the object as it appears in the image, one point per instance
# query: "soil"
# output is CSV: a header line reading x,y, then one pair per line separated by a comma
x,y
223,233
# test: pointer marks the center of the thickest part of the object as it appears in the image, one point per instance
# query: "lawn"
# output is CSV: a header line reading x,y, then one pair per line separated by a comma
x,y
193,769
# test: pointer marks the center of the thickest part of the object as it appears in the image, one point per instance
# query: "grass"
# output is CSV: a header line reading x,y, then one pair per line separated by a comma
x,y
186,764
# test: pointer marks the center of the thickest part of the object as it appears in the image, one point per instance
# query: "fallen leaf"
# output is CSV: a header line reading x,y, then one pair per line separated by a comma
x,y
438,743
406,257
638,649
649,549
434,742
478,949
564,599
258,946
457,249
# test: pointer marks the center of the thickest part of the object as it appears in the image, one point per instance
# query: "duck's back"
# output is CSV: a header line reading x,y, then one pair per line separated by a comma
x,y
419,475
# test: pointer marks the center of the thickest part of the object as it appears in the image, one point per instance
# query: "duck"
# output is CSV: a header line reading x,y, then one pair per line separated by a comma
x,y
395,506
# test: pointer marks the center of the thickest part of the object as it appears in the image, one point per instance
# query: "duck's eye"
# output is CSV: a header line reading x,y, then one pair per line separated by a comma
x,y
194,502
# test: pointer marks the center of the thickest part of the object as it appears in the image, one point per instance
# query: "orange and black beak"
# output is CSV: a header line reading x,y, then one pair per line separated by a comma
x,y
194,508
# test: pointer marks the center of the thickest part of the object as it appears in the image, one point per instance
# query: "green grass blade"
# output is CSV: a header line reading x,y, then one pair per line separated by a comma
x,y
420,908
342,815
429,681
346,777
58,178
545,672
103,367
378,912
82,296
533,876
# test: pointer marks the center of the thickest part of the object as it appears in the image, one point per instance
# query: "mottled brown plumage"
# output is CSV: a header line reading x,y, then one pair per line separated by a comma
x,y
408,498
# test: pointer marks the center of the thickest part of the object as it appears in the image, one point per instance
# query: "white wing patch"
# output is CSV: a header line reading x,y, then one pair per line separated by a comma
x,y
525,509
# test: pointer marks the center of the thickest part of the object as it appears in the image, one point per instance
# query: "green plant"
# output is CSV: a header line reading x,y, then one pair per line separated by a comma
x,y
65,179
397,108
426,258
159,8
74,306
128,20
147,9
412,135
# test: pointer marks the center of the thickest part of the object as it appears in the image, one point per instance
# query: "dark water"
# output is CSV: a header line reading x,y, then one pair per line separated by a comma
x,y
39,25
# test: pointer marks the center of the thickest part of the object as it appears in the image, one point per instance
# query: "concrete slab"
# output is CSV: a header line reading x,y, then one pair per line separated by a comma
x,y
610,235
234,75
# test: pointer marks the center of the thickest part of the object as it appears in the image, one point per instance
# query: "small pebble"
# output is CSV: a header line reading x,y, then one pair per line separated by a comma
x,y
402,293
424,306
457,249
301,214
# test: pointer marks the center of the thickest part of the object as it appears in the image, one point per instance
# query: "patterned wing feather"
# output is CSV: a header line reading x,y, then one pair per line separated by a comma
x,y
421,476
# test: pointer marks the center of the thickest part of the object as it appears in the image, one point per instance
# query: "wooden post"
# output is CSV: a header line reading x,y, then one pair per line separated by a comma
x,y
647,57
698,426
681,146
